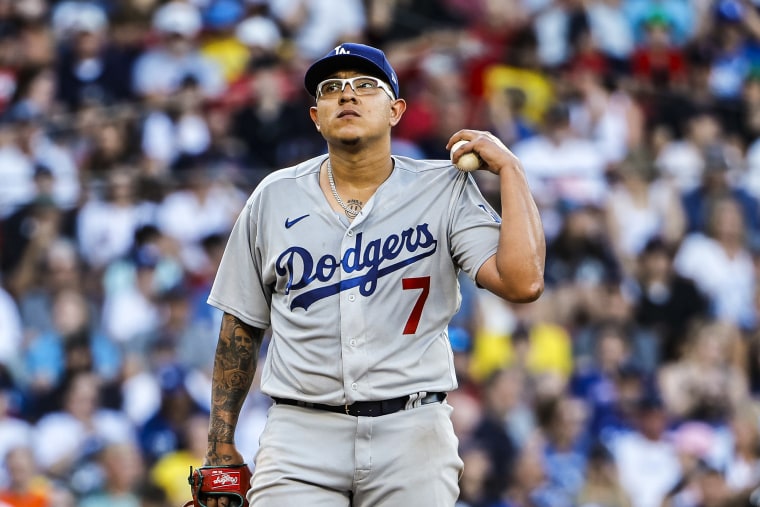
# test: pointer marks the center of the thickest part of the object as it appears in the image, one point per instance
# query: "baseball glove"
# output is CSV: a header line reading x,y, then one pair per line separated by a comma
x,y
221,480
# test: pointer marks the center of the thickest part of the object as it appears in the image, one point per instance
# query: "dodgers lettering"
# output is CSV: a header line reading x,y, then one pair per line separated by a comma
x,y
297,263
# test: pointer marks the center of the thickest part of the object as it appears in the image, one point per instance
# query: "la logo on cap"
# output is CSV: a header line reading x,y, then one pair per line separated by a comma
x,y
340,50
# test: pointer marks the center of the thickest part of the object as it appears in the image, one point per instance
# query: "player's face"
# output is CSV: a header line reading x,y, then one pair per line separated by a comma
x,y
349,118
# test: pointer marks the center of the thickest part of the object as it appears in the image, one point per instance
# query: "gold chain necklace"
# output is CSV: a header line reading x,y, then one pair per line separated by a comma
x,y
350,212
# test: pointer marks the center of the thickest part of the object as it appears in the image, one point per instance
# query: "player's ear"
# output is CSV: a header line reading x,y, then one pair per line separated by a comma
x,y
314,117
398,107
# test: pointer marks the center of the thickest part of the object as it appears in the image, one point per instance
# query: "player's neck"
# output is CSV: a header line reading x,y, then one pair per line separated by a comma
x,y
361,172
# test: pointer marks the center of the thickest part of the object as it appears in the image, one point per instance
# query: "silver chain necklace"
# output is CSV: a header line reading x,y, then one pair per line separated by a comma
x,y
350,212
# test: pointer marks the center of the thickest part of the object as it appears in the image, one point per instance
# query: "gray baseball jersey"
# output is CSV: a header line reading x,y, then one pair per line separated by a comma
x,y
358,311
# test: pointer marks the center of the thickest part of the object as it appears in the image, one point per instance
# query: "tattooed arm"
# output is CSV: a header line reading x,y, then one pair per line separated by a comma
x,y
237,353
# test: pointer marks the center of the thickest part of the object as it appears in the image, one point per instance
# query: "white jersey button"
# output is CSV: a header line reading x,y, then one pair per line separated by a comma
x,y
352,343
351,297
354,386
350,233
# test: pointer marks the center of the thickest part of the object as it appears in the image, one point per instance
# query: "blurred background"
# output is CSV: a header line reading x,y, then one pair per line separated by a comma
x,y
132,131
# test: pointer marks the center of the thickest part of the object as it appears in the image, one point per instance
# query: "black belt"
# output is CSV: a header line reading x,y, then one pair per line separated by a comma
x,y
365,408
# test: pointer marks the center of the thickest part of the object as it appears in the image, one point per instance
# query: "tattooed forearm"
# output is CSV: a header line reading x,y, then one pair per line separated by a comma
x,y
234,366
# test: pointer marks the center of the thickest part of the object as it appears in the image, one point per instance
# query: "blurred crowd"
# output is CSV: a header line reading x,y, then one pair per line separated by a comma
x,y
132,131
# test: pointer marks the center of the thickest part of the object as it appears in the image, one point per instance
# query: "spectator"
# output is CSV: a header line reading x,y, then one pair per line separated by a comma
x,y
647,460
705,384
564,424
10,329
611,31
681,159
580,262
164,431
742,469
558,27
160,71
657,61
561,165
169,470
730,283
495,434
715,185
70,438
270,124
641,206
220,44
607,114
204,204
14,431
73,329
123,470
260,35
26,145
318,25
25,487
89,69
602,486
106,143
529,338
51,265
106,227
176,131
132,315
527,483
472,483
600,379
665,302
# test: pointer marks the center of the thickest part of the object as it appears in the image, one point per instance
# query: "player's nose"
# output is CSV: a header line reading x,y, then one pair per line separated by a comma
x,y
347,92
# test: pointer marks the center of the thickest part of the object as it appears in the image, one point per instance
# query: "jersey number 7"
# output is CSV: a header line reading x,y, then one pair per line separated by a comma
x,y
422,282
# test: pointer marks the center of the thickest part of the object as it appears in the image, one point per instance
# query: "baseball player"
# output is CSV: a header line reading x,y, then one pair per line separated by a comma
x,y
351,259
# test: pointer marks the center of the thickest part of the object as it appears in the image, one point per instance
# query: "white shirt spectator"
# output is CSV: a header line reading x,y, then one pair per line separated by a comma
x,y
752,175
11,333
603,118
105,232
551,27
13,432
682,162
571,169
647,469
610,29
129,315
60,434
17,174
159,72
729,282
83,426
325,23
189,216
636,224
164,140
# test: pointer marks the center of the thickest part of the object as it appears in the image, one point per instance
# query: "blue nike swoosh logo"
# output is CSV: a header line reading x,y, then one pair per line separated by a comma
x,y
290,223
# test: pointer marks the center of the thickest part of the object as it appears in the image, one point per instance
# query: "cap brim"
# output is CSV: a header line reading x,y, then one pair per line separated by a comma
x,y
325,67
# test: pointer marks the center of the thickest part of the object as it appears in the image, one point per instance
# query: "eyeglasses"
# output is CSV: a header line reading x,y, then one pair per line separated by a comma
x,y
361,85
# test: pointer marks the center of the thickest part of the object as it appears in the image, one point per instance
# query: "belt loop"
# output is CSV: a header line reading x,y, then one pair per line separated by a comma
x,y
346,407
415,400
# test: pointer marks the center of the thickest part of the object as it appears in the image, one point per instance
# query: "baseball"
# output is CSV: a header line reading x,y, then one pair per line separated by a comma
x,y
467,162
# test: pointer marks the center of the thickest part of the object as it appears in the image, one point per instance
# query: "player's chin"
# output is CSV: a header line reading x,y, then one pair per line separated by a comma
x,y
351,141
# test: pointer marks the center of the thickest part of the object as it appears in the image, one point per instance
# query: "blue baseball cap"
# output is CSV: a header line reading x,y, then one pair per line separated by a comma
x,y
351,56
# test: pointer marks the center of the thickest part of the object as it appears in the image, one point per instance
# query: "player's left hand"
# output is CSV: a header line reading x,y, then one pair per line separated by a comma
x,y
220,486
494,155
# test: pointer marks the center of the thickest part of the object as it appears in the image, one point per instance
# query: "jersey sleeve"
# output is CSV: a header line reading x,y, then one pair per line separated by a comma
x,y
239,287
473,228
